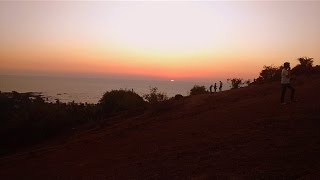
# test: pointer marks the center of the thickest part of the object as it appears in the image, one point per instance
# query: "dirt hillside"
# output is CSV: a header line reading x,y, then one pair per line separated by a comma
x,y
242,133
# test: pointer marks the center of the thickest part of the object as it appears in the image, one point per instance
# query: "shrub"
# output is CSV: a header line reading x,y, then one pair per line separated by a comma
x,y
198,90
154,96
305,66
26,119
178,97
316,69
119,100
270,73
247,82
235,83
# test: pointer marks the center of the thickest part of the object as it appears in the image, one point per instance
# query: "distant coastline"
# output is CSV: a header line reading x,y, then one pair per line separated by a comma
x,y
89,89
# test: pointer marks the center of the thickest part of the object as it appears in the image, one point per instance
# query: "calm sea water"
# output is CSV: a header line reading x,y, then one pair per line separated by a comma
x,y
90,90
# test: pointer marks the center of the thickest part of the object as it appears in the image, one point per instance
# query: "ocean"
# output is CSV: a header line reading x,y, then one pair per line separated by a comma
x,y
90,90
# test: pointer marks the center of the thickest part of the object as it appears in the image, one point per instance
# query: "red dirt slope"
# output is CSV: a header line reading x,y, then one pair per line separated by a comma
x,y
243,133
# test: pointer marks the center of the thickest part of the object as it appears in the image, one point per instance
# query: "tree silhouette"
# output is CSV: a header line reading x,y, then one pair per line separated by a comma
x,y
306,61
270,73
196,89
235,82
154,96
305,66
120,100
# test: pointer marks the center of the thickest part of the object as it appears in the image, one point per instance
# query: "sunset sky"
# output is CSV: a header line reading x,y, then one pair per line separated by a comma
x,y
169,40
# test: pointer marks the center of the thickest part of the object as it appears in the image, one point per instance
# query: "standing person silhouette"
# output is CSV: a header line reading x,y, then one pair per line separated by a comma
x,y
215,87
210,88
220,86
285,82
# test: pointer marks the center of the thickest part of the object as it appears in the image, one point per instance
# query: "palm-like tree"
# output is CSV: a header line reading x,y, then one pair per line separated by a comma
x,y
305,66
306,61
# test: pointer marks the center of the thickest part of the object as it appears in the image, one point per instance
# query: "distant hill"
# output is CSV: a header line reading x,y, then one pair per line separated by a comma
x,y
240,133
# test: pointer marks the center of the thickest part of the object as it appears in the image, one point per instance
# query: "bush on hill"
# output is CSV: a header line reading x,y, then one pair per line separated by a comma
x,y
154,96
26,119
236,82
269,73
178,97
120,100
305,66
198,90
316,69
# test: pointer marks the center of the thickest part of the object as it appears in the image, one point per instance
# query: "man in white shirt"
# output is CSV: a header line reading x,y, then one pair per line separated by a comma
x,y
285,82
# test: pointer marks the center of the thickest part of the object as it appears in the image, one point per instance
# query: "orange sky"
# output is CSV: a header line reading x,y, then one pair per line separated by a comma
x,y
158,39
